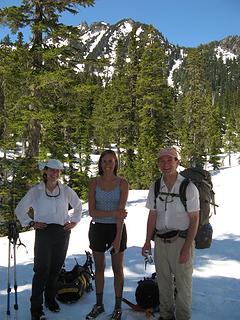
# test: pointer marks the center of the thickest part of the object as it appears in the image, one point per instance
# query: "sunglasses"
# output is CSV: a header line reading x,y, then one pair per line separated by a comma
x,y
51,196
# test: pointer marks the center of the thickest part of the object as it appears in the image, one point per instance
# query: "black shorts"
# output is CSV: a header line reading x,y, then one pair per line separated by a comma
x,y
101,236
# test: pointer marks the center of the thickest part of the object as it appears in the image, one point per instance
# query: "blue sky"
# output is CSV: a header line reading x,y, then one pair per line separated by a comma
x,y
182,22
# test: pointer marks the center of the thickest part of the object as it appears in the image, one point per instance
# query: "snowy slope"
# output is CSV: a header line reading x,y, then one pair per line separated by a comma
x,y
216,280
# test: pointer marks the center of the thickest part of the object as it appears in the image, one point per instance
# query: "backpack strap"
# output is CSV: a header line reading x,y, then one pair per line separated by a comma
x,y
182,192
157,189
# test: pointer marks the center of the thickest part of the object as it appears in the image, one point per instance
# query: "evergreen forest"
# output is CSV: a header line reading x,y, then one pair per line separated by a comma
x,y
50,109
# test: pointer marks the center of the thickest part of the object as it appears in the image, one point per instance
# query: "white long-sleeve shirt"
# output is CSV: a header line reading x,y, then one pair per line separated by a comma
x,y
50,209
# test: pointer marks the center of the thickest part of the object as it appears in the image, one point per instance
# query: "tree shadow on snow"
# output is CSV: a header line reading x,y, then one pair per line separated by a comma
x,y
226,249
220,295
24,273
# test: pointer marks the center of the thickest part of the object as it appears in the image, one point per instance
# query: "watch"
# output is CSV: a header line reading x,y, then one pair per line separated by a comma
x,y
31,223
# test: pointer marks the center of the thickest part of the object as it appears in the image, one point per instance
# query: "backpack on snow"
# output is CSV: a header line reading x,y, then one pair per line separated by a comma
x,y
202,180
147,294
72,284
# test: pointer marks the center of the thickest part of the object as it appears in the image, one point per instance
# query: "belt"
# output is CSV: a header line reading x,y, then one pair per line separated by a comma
x,y
183,233
167,235
171,236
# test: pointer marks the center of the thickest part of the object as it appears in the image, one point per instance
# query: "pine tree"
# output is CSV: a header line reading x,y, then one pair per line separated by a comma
x,y
231,137
197,116
6,40
79,135
102,119
43,19
155,111
111,117
16,80
131,124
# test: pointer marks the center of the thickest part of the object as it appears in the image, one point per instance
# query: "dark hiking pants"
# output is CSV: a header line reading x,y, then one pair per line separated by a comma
x,y
50,251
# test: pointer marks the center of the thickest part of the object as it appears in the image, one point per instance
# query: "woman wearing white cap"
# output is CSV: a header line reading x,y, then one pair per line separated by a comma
x,y
53,222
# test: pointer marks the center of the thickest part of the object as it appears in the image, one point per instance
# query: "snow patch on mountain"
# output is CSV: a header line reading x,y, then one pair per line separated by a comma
x,y
176,65
224,54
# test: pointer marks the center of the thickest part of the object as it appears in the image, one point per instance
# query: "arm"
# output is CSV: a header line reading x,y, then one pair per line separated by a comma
x,y
124,187
23,207
76,213
185,253
151,225
93,212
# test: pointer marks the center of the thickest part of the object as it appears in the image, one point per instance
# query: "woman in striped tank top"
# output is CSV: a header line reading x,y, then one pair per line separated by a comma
x,y
107,200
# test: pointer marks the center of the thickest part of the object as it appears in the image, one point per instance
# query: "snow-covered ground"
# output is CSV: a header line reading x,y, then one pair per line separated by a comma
x,y
216,279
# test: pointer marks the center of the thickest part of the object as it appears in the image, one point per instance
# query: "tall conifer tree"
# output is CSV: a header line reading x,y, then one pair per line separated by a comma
x,y
198,116
43,19
155,110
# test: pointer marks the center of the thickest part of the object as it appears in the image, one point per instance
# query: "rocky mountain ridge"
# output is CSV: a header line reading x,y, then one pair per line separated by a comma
x,y
99,41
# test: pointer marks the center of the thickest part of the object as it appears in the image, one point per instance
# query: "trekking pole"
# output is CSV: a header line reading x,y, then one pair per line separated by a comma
x,y
8,278
14,240
12,237
14,267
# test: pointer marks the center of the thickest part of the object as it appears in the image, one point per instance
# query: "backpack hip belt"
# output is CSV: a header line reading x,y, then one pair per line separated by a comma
x,y
183,233
172,236
168,237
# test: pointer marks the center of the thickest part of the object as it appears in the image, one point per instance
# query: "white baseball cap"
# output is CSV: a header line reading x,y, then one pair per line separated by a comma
x,y
51,163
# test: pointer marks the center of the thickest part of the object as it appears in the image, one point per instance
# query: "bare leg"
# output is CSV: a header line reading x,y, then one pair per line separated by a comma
x,y
99,259
98,308
117,266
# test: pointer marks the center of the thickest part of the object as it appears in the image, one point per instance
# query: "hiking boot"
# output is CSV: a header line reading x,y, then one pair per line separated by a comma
x,y
52,305
95,312
38,316
116,315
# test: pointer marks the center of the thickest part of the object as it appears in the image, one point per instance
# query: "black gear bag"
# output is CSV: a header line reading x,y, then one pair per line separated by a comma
x,y
71,285
147,294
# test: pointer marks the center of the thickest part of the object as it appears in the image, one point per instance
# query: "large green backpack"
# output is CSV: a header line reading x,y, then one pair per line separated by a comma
x,y
202,179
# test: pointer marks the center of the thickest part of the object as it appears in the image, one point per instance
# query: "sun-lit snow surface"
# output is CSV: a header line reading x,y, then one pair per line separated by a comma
x,y
216,279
